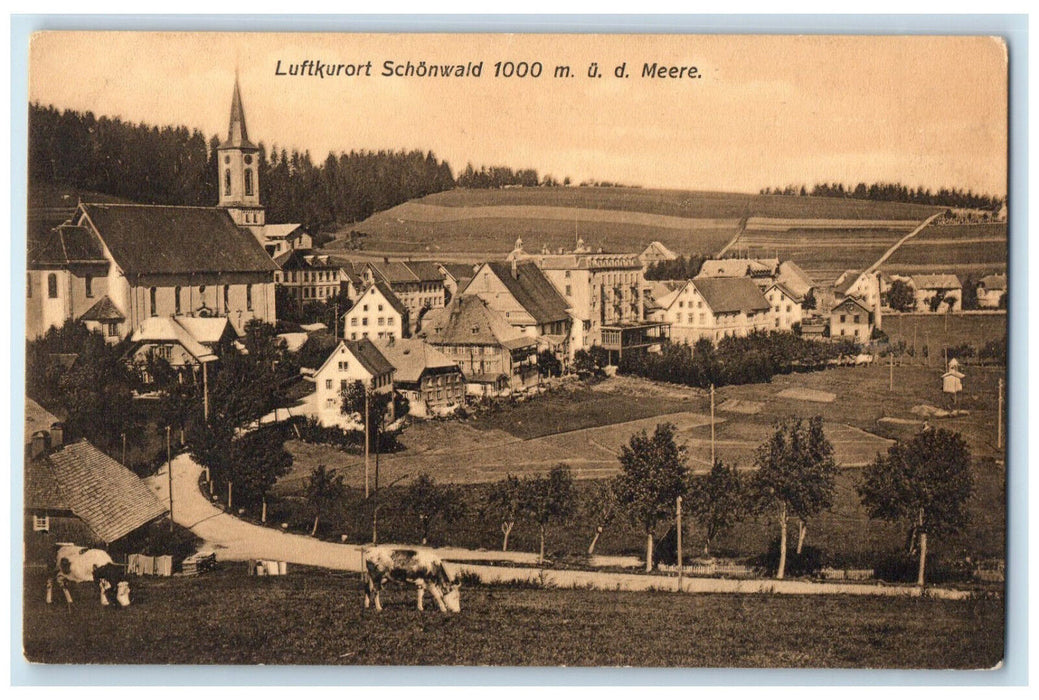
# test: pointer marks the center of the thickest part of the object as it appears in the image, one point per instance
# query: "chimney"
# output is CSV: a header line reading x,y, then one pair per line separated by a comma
x,y
38,446
57,435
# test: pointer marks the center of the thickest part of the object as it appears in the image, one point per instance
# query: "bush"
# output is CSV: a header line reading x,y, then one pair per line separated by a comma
x,y
808,563
901,567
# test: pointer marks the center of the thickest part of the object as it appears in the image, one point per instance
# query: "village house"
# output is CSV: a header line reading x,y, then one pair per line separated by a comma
x,y
119,264
76,493
186,343
521,292
785,306
377,313
428,379
715,308
991,289
946,287
456,276
309,276
418,285
851,319
495,358
606,295
764,269
866,286
350,361
654,253
278,239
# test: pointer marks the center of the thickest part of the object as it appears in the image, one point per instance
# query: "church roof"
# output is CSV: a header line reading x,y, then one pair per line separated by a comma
x,y
237,136
156,239
63,245
103,310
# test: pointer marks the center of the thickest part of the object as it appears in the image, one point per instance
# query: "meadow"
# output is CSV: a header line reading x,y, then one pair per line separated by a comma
x,y
315,617
976,249
822,253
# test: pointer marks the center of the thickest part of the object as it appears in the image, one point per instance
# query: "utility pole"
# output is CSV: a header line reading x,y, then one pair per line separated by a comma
x,y
367,443
891,371
205,392
678,525
124,450
169,473
375,493
712,427
999,417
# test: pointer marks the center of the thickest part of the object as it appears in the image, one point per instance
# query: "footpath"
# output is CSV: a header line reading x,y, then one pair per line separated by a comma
x,y
233,539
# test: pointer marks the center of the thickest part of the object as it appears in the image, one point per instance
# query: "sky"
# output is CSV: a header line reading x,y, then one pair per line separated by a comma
x,y
764,111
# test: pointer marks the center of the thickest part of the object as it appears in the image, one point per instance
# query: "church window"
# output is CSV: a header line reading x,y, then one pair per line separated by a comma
x,y
248,182
248,160
248,297
227,289
227,159
28,284
152,300
227,181
176,300
88,283
52,286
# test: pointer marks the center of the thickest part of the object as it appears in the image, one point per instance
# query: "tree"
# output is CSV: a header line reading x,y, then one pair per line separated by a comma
x,y
925,482
653,472
505,502
795,477
900,296
353,403
430,501
549,499
323,493
717,501
934,302
599,507
548,364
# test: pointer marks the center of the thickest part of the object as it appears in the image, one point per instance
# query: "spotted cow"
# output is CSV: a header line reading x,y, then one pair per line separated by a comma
x,y
80,565
415,566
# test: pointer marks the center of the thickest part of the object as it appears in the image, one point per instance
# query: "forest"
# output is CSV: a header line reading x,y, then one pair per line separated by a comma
x,y
894,192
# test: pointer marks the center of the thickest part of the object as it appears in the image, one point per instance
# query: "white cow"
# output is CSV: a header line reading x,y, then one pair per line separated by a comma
x,y
82,564
419,567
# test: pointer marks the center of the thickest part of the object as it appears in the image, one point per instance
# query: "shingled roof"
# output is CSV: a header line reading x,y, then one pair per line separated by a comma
x,y
469,321
936,281
731,294
64,245
411,357
103,310
532,290
369,356
152,239
108,497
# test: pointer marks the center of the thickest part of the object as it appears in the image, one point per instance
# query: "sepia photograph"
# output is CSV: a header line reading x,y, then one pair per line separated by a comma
x,y
538,350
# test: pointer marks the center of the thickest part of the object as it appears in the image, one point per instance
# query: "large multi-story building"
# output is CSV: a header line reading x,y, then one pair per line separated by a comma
x,y
714,308
606,293
309,276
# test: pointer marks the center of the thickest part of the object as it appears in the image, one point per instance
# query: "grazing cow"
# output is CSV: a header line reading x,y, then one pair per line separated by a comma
x,y
82,564
422,568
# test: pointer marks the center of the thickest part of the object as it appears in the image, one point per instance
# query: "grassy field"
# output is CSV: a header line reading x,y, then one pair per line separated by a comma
x,y
945,330
487,222
586,427
976,249
823,253
315,617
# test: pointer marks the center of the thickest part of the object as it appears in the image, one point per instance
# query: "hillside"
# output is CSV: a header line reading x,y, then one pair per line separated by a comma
x,y
487,222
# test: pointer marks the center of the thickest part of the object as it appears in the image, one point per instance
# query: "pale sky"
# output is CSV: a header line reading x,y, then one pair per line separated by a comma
x,y
767,111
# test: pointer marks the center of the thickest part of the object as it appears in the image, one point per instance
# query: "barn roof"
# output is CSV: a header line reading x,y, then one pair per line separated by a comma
x,y
108,497
152,239
532,290
936,282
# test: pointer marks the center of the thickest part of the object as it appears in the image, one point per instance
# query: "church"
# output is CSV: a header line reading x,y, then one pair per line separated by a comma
x,y
113,266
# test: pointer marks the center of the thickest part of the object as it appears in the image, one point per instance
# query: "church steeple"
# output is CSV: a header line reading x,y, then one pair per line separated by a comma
x,y
239,168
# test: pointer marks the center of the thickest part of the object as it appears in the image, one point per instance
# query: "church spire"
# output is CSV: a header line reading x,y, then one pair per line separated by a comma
x,y
237,136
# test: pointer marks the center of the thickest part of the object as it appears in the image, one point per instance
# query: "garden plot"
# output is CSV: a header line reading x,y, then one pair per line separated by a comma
x,y
801,394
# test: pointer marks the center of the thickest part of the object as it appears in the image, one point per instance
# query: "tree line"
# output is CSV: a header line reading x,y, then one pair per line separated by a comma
x,y
894,192
681,268
177,165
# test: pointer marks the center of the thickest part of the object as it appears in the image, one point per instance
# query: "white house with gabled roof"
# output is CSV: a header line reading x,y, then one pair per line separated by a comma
x,y
377,313
349,362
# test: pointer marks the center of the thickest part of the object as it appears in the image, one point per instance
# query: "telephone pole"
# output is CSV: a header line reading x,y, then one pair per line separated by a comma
x,y
712,427
891,371
999,417
169,473
678,525
367,443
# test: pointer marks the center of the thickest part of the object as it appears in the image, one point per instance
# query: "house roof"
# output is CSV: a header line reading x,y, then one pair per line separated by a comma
x,y
369,356
103,310
994,282
738,267
469,321
731,294
208,331
532,290
785,290
656,249
851,300
108,497
936,281
387,294
151,239
411,357
36,418
276,231
794,278
170,329
412,271
299,258
63,245
460,271
846,281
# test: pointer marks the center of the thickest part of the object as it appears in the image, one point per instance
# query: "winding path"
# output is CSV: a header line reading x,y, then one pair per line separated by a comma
x,y
236,540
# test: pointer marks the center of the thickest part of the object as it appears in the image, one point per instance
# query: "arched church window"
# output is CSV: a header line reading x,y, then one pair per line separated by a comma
x,y
176,300
52,286
227,181
227,289
248,183
153,297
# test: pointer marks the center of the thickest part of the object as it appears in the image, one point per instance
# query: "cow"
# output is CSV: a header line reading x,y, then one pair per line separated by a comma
x,y
419,567
82,564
